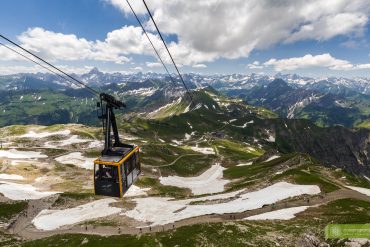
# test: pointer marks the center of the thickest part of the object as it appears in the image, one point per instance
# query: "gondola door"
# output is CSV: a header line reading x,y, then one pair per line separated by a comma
x,y
123,178
106,180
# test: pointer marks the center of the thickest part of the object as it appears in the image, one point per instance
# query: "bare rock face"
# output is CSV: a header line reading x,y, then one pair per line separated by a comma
x,y
308,240
353,242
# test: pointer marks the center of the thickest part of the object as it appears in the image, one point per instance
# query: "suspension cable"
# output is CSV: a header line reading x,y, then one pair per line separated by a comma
x,y
34,61
156,51
168,51
93,91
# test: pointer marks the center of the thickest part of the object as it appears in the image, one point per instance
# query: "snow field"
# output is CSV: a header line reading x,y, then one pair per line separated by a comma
x,y
203,150
136,191
77,159
164,210
210,181
362,190
11,176
53,219
15,154
73,139
281,214
16,191
272,158
245,164
34,135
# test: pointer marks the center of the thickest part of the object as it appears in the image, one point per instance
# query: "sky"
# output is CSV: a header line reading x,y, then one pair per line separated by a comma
x,y
308,37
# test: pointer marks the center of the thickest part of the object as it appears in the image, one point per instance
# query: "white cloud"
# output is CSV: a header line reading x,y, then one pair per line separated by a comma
x,y
8,55
309,61
330,26
208,30
255,65
199,66
138,68
117,46
363,66
9,70
55,46
232,29
153,65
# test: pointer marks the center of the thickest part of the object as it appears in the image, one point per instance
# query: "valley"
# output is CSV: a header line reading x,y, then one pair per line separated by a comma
x,y
221,171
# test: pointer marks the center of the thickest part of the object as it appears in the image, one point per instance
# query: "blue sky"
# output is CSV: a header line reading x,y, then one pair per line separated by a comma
x,y
211,36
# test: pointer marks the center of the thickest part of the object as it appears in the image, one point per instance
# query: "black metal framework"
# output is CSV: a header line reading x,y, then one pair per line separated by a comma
x,y
107,104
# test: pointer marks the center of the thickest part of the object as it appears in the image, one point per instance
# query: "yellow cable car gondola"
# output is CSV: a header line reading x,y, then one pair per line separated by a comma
x,y
119,165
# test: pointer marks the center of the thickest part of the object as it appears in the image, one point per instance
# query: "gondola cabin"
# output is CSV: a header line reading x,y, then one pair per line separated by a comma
x,y
118,166
113,175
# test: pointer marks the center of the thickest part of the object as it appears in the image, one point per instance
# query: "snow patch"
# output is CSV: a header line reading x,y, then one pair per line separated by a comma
x,y
53,219
210,181
164,210
136,191
281,214
244,125
74,139
362,190
203,150
76,159
15,154
245,164
11,176
272,158
16,191
34,135
177,142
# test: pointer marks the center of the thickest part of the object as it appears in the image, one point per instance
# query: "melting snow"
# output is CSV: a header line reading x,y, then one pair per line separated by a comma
x,y
203,150
281,214
245,164
164,210
74,139
32,134
53,219
364,191
15,191
272,158
271,138
176,142
136,191
129,138
142,91
15,154
210,181
11,176
77,159
244,125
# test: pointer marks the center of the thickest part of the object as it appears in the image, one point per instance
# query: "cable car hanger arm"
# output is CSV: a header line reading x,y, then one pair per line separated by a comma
x,y
109,121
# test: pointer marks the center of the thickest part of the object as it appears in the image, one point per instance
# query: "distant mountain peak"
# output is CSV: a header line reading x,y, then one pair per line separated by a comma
x,y
94,70
278,84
